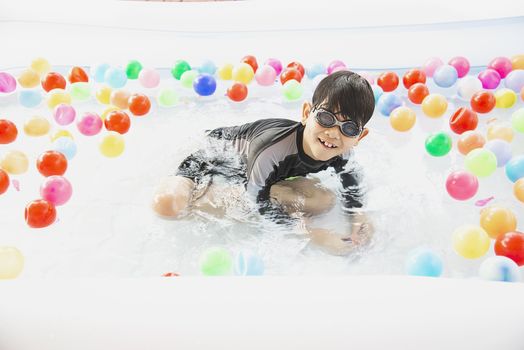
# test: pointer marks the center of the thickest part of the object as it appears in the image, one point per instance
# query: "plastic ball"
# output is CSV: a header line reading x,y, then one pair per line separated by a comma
x,y
377,91
14,162
56,97
292,90
167,97
469,141
188,77
518,189
149,78
423,262
413,76
7,83
483,101
502,65
515,168
80,91
205,85
445,76
216,262
112,145
468,86
497,220
238,91
103,95
490,78
461,64
53,80
505,98
335,64
249,264
208,67
431,65
252,61
463,120
517,120
179,68
11,263
108,110
29,79
402,118
225,72
4,181
40,213
30,98
276,64
522,93
51,163
66,146
133,68
77,74
98,72
266,75
8,131
115,77
499,268
438,144
434,105
316,69
470,242
387,103
120,98
501,149
36,126
462,185
515,80
417,93
517,62
511,245
56,190
481,162
139,104
297,66
290,74
243,73
117,121
40,65
89,124
60,133
500,131
388,81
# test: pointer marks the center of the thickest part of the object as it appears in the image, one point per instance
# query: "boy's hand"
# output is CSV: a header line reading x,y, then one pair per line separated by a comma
x,y
361,229
330,241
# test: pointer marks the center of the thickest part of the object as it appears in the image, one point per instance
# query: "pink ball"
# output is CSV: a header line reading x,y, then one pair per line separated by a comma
x,y
490,78
367,76
431,66
266,75
502,65
461,64
90,124
334,64
462,185
7,83
149,78
64,114
56,189
339,68
276,64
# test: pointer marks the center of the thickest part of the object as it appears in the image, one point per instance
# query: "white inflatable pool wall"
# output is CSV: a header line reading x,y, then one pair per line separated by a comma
x,y
376,312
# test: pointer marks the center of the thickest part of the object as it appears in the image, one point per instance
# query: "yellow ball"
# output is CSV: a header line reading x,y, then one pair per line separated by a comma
x,y
225,72
517,62
470,242
402,118
103,95
243,73
434,105
500,131
112,145
56,97
28,79
61,133
505,98
518,189
11,263
107,111
14,162
497,220
37,126
40,65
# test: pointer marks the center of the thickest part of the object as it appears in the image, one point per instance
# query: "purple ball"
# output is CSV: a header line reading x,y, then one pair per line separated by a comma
x,y
515,80
64,114
501,149
502,65
334,64
276,64
490,78
461,64
7,83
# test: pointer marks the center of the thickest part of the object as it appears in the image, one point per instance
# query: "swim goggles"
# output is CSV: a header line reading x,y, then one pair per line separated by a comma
x,y
327,119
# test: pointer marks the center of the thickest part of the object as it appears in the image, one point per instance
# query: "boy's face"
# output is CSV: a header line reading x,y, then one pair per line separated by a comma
x,y
317,139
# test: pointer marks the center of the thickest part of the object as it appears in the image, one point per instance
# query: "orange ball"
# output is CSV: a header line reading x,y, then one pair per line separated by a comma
x,y
77,74
289,74
470,140
120,98
8,131
522,93
417,92
388,81
139,104
237,92
518,189
252,61
297,66
40,213
4,181
412,77
500,131
497,220
52,81
117,121
51,163
483,101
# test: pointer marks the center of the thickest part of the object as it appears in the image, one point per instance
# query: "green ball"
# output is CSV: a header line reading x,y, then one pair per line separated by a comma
x,y
180,67
438,144
481,162
133,69
292,90
517,120
80,91
187,78
167,97
216,262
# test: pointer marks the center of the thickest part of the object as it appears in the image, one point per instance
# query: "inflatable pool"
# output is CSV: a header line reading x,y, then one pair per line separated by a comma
x,y
100,269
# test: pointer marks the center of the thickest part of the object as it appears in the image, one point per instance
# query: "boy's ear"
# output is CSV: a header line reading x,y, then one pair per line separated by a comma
x,y
365,132
306,109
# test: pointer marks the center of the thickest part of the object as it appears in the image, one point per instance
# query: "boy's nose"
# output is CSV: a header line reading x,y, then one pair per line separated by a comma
x,y
333,133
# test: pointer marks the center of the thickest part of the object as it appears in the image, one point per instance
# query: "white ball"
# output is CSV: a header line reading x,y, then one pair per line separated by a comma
x,y
468,86
499,268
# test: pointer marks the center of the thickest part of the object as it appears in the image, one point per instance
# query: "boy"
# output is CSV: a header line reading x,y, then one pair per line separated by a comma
x,y
269,151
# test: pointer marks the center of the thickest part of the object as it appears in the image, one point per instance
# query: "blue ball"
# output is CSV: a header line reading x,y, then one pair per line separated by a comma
x,y
204,85
377,92
499,268
207,67
30,98
515,80
515,168
423,262
115,77
316,69
98,72
66,146
445,76
387,103
249,264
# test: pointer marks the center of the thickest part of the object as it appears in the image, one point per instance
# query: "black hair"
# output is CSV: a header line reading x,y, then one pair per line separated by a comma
x,y
346,93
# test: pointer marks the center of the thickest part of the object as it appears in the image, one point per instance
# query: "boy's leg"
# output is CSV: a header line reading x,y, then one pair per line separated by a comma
x,y
173,196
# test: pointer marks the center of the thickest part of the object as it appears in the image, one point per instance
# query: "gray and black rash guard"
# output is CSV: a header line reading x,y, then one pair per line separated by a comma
x,y
268,151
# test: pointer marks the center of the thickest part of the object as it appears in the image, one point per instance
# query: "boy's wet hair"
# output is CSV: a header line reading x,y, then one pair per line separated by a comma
x,y
346,93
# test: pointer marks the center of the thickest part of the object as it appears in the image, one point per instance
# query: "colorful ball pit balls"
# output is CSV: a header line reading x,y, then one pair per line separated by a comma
x,y
298,66
167,97
445,76
98,72
108,110
464,119
205,85
423,262
292,90
496,220
500,131
7,83
139,104
276,64
461,64
89,124
470,242
515,80
225,72
133,68
36,126
290,74
208,67
56,190
179,68
431,65
434,105
511,245
53,80
468,86
14,162
438,144
40,213
515,168
517,62
518,189
413,76
490,78
103,95
149,78
238,91
417,93
462,185
64,114
4,181
216,262
469,141
481,162
388,81
377,90
333,65
248,264
243,73
188,77
8,131
112,144
115,77
11,263
117,121
402,119
517,120
252,61
483,102
77,75
80,91
29,79
56,97
387,103
30,98
51,163
500,269
60,133
505,98
315,69
501,149
502,65
66,146
40,65
265,75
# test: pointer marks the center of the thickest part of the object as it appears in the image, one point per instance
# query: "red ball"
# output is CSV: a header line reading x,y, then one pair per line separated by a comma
x,y
118,121
252,61
413,76
297,66
77,74
483,101
139,104
388,81
417,92
53,81
40,213
4,181
51,163
290,73
8,131
462,120
511,245
237,92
